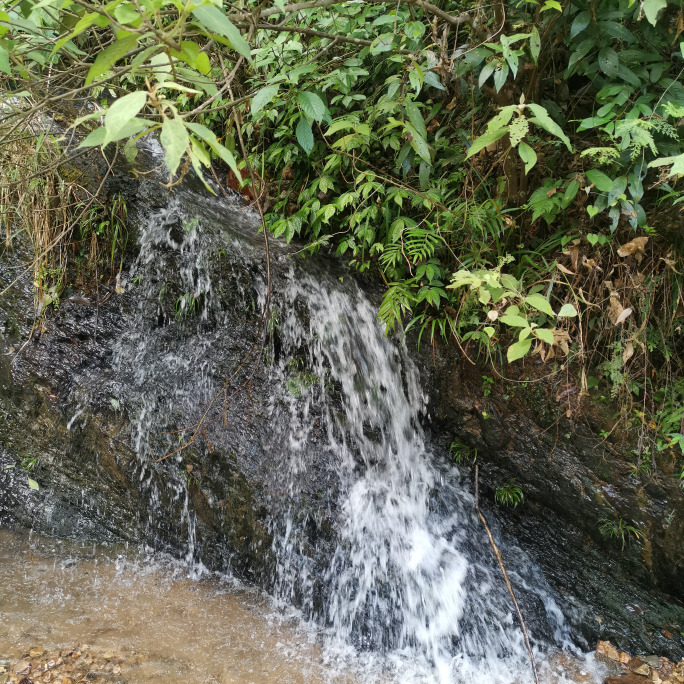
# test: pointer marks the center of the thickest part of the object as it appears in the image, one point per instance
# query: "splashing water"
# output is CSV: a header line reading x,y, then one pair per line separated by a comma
x,y
407,573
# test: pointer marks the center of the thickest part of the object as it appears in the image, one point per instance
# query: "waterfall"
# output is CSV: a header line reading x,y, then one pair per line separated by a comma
x,y
383,550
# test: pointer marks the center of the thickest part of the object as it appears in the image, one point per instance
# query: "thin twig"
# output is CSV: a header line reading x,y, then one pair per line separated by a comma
x,y
508,582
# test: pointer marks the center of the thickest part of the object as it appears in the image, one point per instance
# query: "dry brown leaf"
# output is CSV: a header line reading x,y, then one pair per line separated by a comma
x,y
561,338
492,314
636,248
670,263
574,256
629,351
623,316
615,309
563,269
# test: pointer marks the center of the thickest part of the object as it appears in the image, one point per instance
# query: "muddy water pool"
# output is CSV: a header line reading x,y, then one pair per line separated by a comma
x,y
74,613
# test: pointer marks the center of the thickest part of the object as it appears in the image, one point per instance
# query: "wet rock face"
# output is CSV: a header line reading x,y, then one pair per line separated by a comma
x,y
70,415
573,482
94,407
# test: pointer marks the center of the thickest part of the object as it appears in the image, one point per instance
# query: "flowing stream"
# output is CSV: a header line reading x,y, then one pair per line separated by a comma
x,y
382,555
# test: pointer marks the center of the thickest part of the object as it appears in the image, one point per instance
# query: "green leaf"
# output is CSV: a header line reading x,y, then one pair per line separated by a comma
x,y
514,321
570,193
487,139
599,179
109,56
215,21
312,105
223,152
540,303
580,22
567,311
85,22
500,76
518,350
543,120
174,138
677,164
264,97
652,8
416,118
33,484
419,144
487,71
304,134
528,155
127,14
608,62
121,112
544,334
535,44
94,138
4,61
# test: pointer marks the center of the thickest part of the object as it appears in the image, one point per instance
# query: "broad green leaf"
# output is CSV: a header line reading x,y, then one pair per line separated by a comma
x,y
382,43
127,14
174,139
215,21
580,22
121,112
608,62
487,71
535,44
544,334
599,179
514,321
99,135
264,97
542,119
210,138
652,8
312,105
416,118
567,311
419,144
500,76
528,155
487,139
540,303
85,22
106,59
130,152
518,350
4,61
502,118
676,161
94,138
304,134
570,193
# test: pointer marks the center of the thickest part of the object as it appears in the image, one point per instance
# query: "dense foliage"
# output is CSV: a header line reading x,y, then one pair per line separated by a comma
x,y
511,170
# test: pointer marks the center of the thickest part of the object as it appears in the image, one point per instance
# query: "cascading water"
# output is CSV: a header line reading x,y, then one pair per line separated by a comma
x,y
412,574
387,552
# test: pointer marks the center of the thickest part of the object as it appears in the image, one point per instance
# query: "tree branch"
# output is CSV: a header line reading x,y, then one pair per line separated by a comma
x,y
457,20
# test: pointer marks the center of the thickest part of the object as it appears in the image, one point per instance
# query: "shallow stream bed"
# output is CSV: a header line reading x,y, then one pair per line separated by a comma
x,y
72,613
131,618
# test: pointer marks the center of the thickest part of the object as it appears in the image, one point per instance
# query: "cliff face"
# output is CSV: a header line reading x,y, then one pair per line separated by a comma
x,y
105,396
573,482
